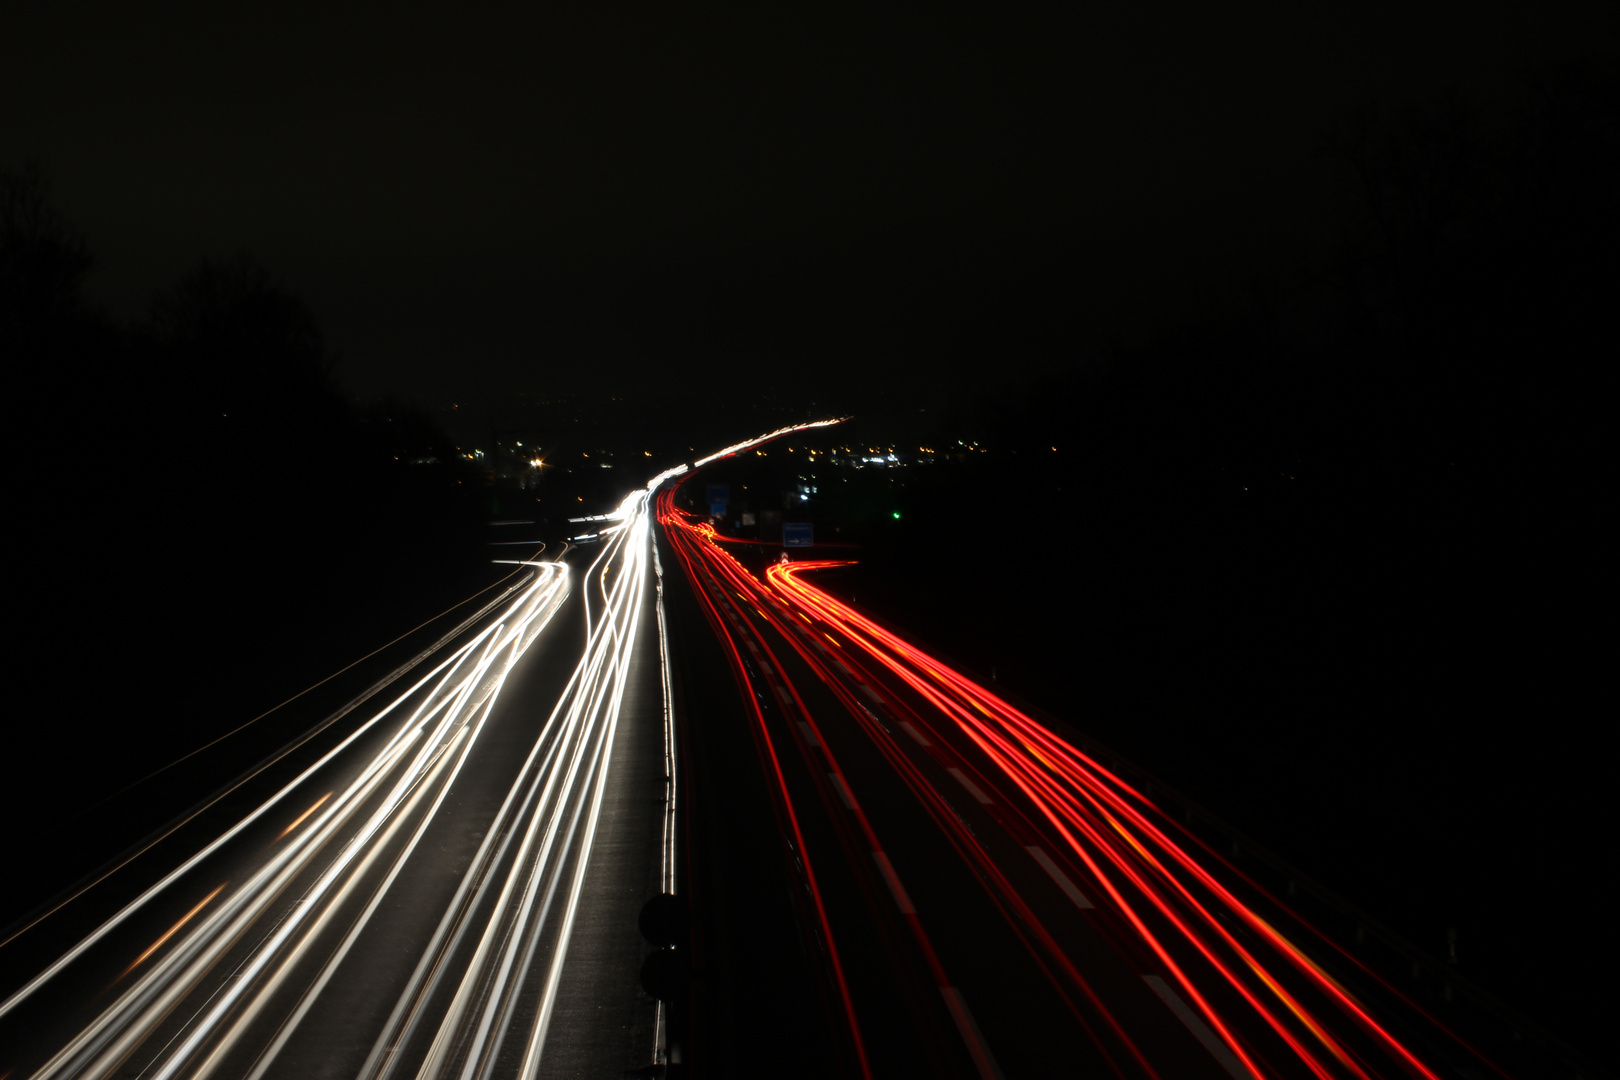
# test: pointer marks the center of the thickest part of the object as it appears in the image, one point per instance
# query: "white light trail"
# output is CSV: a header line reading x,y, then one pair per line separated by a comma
x,y
224,990
749,444
451,704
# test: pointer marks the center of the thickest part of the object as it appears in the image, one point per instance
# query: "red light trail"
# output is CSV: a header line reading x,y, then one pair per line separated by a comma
x,y
1259,1003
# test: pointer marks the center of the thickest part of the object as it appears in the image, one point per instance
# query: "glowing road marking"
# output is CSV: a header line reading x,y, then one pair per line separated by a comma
x,y
809,734
843,790
1070,889
972,788
787,698
915,734
873,694
902,901
1200,1030
980,1052
158,944
299,820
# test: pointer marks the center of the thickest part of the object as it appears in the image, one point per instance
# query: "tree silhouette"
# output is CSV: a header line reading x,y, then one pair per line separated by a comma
x,y
243,342
1476,258
43,260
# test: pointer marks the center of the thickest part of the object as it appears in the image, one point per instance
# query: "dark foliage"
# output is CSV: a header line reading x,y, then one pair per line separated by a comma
x,y
202,522
1325,556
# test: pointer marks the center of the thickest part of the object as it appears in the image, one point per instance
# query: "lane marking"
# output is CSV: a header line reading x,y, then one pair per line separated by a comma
x,y
1069,888
982,1058
809,733
299,820
915,734
787,698
972,788
845,668
843,790
871,693
1200,1030
900,898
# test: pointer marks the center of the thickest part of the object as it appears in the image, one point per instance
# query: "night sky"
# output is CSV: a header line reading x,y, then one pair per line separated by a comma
x,y
1347,561
472,196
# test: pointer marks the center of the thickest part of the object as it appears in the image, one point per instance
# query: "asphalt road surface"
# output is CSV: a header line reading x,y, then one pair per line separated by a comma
x,y
974,895
447,882
870,865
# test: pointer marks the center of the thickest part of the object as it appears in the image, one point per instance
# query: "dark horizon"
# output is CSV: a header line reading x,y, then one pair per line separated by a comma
x,y
446,192
1264,349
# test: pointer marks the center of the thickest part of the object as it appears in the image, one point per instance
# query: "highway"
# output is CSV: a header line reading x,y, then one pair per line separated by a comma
x,y
879,867
447,884
978,897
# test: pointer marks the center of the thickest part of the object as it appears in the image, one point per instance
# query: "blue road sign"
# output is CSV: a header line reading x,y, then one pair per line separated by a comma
x,y
719,494
717,509
798,534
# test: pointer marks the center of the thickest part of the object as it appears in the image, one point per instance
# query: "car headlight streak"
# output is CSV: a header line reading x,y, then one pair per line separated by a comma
x,y
339,839
512,921
264,915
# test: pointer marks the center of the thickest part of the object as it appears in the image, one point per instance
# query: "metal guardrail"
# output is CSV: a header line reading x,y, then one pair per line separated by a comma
x,y
1364,926
1418,963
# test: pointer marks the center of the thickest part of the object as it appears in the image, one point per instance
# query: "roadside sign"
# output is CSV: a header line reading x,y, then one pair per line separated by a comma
x,y
798,534
717,509
719,494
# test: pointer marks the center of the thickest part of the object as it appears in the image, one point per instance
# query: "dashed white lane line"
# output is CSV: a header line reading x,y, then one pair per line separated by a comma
x,y
900,898
1201,1031
972,788
914,733
845,668
982,1058
843,790
787,698
1069,888
809,734
871,693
